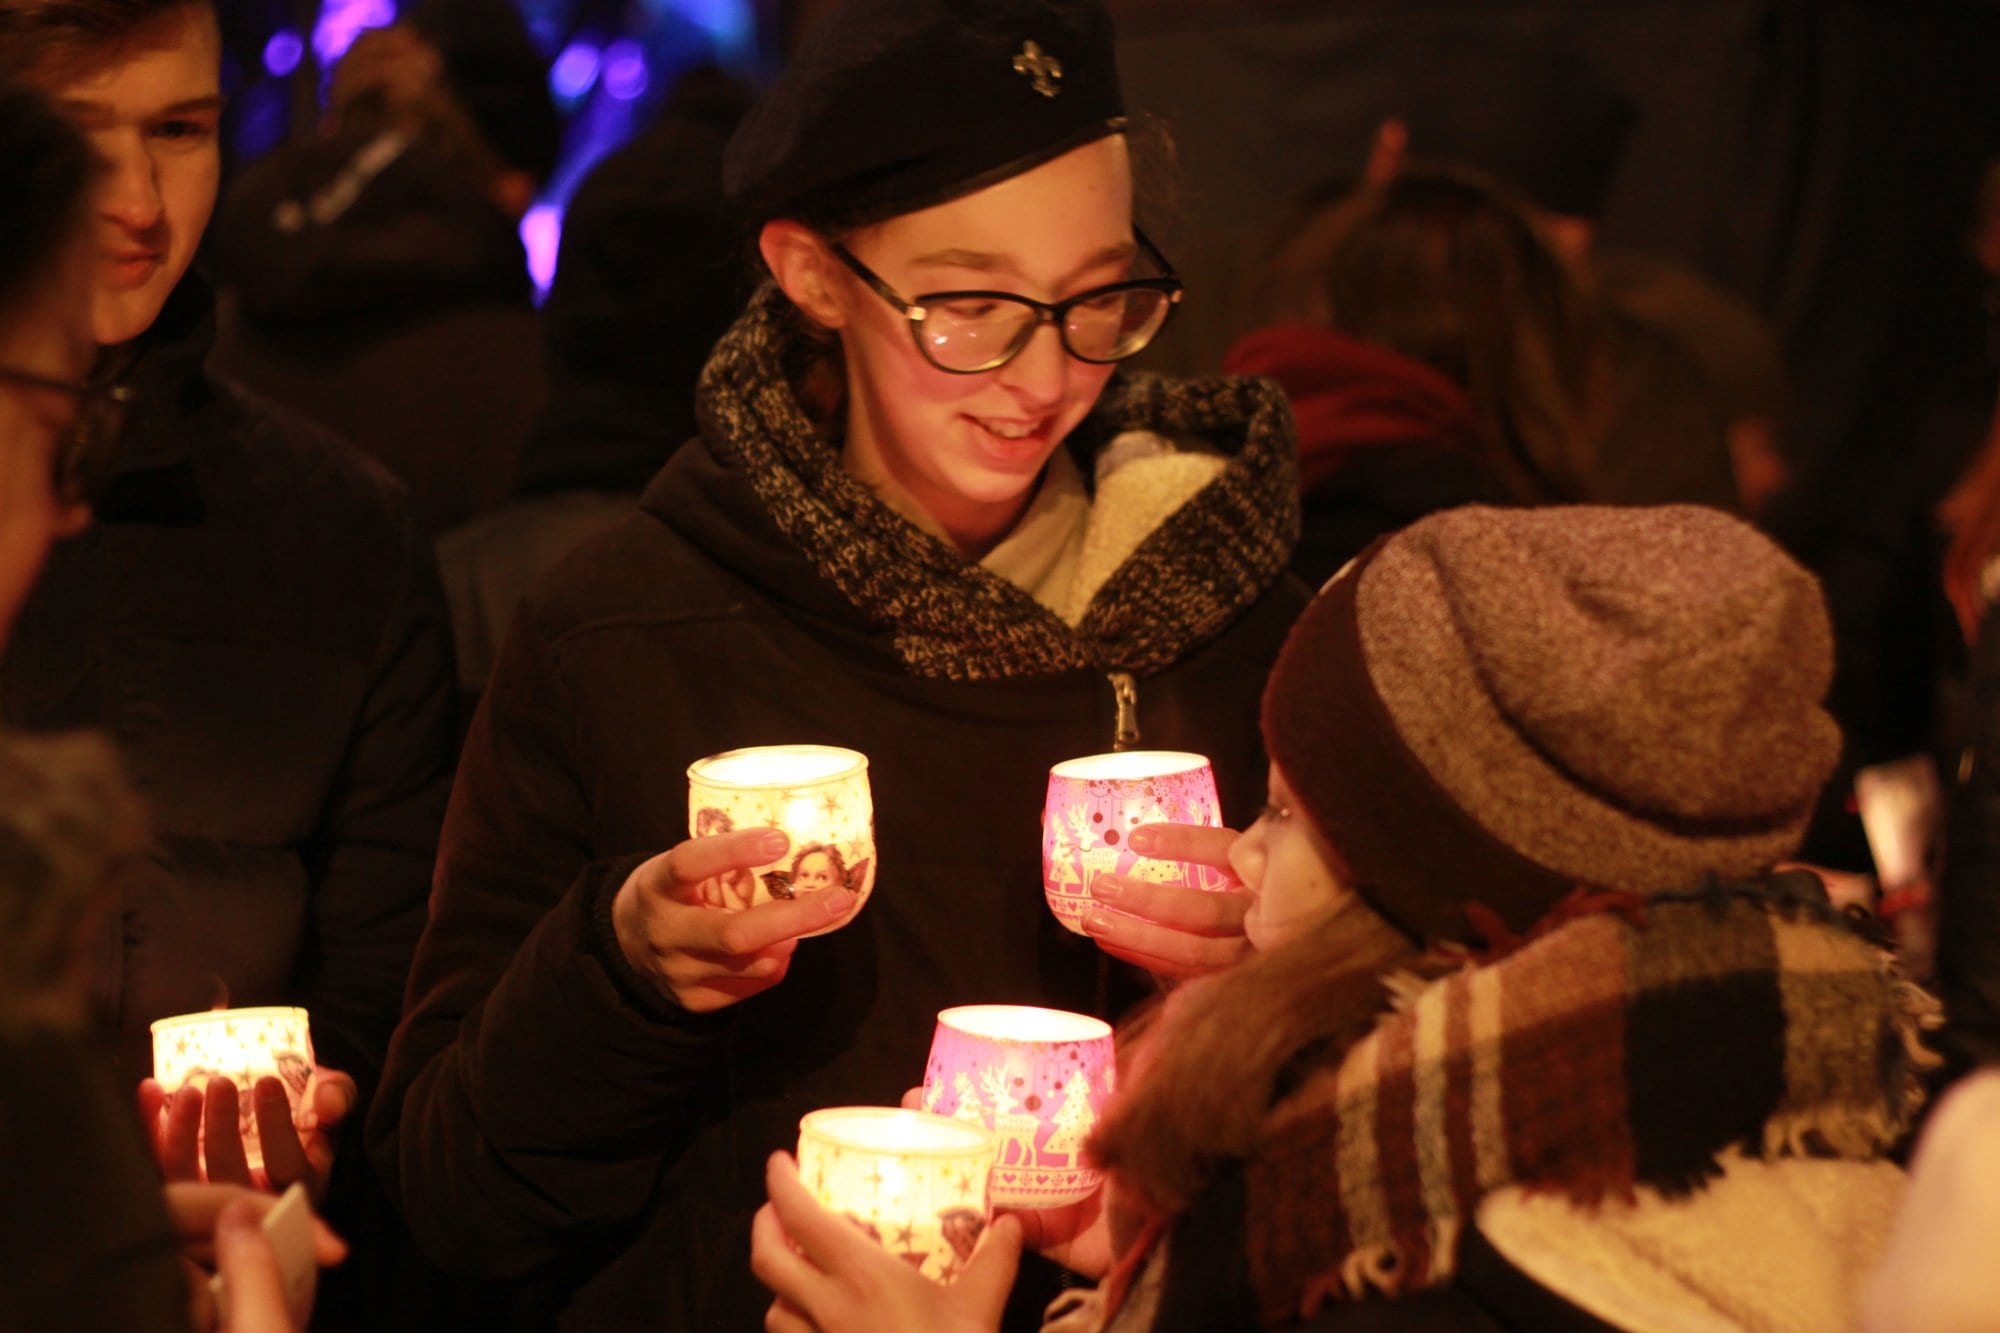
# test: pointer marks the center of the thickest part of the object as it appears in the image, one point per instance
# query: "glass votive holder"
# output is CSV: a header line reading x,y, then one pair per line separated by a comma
x,y
818,794
916,1182
241,1045
1040,1079
1093,805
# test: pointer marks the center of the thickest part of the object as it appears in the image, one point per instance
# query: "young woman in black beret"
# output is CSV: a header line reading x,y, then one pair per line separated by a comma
x,y
929,517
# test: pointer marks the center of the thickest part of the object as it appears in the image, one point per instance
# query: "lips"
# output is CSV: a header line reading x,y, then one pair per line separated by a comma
x,y
1013,440
131,268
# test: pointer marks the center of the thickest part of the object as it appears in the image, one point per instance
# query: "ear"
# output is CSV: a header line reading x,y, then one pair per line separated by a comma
x,y
804,269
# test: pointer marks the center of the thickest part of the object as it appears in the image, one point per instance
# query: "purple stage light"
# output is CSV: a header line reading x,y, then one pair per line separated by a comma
x,y
341,21
283,52
574,71
541,237
625,74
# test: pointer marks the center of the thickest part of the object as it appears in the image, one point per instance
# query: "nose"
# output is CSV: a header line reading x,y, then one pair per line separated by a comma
x,y
1246,855
1039,375
129,193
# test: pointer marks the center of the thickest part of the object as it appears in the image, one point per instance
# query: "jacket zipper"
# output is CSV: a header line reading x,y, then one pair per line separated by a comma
x,y
1125,691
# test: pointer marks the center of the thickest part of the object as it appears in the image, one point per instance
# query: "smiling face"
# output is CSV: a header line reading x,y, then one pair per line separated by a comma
x,y
1289,869
967,450
151,111
48,336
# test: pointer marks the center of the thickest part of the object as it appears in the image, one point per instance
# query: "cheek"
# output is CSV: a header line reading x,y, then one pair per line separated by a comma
x,y
189,185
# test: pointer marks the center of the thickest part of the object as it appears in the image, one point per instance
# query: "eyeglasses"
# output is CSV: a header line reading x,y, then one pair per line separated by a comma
x,y
968,332
85,448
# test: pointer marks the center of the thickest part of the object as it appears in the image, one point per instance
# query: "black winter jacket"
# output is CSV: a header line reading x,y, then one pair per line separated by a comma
x,y
256,621
546,1115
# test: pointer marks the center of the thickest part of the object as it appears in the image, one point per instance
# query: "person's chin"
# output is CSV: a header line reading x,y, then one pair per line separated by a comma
x,y
119,317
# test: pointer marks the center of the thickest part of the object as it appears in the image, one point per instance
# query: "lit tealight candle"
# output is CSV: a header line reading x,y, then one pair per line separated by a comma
x,y
818,794
1093,805
916,1182
1039,1079
241,1045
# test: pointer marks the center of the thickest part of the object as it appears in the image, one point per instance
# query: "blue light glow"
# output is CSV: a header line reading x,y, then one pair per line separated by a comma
x,y
341,21
574,71
625,74
728,23
283,52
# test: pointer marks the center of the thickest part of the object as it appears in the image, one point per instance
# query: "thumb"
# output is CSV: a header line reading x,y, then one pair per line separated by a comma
x,y
989,1274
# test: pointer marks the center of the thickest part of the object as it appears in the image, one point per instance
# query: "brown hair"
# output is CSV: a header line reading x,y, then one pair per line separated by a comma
x,y
1447,269
53,42
70,826
1203,1070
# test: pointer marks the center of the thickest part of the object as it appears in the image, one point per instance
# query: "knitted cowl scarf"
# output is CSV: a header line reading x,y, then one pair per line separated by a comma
x,y
1626,1046
951,619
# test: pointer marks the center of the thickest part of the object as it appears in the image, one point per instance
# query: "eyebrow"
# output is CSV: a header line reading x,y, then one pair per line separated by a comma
x,y
84,109
986,262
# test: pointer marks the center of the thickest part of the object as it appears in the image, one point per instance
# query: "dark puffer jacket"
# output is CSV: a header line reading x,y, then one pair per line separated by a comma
x,y
256,621
547,1116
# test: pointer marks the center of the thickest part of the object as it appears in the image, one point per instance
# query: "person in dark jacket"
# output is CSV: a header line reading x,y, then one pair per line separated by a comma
x,y
1635,1079
967,550
252,616
373,276
649,277
1436,353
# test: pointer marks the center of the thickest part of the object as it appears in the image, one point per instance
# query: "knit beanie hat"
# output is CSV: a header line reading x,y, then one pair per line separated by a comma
x,y
1496,706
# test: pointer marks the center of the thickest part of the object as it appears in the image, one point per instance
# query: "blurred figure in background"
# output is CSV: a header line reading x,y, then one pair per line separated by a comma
x,y
252,616
1440,355
373,274
649,277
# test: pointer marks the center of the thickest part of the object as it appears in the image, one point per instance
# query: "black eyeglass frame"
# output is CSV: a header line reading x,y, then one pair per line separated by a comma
x,y
82,456
1046,312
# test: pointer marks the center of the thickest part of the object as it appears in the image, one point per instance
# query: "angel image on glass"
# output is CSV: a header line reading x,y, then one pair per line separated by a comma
x,y
817,794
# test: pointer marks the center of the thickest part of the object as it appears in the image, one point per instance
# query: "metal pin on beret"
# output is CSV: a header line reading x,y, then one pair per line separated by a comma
x,y
891,106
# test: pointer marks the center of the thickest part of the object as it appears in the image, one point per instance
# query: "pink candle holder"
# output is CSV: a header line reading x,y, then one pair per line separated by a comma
x,y
241,1045
915,1182
1093,805
1040,1079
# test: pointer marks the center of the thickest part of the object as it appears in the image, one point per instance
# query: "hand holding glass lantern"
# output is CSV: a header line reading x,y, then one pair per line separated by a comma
x,y
1040,1079
1093,805
243,1046
916,1182
818,794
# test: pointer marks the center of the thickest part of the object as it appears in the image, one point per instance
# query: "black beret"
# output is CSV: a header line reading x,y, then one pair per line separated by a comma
x,y
895,105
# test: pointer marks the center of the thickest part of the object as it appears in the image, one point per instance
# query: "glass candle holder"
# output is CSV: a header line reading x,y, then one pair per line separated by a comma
x,y
916,1182
241,1045
818,794
1093,805
1039,1079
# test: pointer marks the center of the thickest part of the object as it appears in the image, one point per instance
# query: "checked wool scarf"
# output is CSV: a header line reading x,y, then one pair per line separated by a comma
x,y
1621,1048
1185,584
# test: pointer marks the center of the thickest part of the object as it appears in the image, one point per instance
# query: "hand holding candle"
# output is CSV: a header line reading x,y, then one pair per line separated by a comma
x,y
1095,803
669,930
1172,930
816,794
237,1099
830,1277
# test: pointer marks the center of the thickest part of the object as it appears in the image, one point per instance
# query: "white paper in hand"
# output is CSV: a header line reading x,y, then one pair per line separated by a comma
x,y
289,1228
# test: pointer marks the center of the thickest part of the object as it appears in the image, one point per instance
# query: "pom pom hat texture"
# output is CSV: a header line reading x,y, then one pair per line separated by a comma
x,y
891,106
1499,706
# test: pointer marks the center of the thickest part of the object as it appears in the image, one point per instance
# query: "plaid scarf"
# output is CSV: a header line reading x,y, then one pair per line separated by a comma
x,y
1613,1051
952,619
